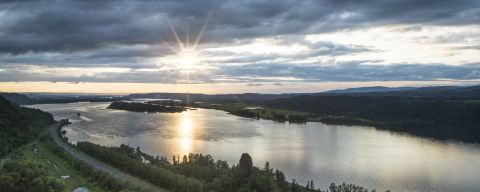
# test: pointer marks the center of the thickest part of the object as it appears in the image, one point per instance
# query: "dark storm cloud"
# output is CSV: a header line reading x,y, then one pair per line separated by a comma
x,y
110,56
129,34
68,26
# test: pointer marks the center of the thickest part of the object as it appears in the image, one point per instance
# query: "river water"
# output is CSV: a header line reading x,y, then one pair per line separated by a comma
x,y
312,151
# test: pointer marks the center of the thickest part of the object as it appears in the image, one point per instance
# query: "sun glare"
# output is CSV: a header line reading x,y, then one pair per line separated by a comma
x,y
188,59
185,132
187,53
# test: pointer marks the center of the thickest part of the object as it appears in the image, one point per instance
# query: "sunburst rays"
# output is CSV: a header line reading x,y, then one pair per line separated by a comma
x,y
187,59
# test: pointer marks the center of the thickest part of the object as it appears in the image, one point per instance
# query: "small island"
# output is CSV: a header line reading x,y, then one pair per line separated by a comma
x,y
145,107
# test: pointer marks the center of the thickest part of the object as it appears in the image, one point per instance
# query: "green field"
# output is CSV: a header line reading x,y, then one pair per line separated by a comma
x,y
256,111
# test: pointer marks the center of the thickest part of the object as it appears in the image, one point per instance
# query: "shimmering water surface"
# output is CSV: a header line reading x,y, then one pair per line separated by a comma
x,y
352,154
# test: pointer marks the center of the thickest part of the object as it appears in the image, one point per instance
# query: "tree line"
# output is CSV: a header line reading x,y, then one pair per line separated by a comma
x,y
199,172
437,118
101,179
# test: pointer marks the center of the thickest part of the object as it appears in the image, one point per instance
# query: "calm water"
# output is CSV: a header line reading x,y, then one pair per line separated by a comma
x,y
324,153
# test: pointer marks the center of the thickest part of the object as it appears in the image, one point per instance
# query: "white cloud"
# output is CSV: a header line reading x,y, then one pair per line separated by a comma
x,y
426,44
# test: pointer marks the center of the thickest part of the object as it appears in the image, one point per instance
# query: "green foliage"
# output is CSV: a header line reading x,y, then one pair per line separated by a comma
x,y
347,188
101,179
198,172
20,177
221,177
129,160
19,125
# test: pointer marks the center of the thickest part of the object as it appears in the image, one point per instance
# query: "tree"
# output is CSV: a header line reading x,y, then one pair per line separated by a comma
x,y
267,166
294,186
185,160
245,163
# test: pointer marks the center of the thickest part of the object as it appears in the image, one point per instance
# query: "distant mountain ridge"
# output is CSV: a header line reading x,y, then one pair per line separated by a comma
x,y
450,92
434,92
19,99
439,92
370,89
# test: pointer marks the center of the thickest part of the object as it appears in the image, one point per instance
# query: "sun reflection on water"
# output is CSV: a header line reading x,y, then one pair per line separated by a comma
x,y
185,132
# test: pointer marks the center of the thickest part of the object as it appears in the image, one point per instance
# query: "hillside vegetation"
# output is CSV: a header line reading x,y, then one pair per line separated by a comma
x,y
19,125
438,118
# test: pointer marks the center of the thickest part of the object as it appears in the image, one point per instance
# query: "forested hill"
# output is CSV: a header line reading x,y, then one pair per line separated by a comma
x,y
19,125
19,99
423,116
375,89
442,92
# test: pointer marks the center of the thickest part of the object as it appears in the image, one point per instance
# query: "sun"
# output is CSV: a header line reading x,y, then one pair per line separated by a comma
x,y
188,61
187,55
188,58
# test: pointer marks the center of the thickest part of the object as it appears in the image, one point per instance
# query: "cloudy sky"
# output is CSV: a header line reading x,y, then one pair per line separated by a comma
x,y
236,46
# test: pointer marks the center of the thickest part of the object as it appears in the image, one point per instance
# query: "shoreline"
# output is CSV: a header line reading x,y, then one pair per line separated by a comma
x,y
411,128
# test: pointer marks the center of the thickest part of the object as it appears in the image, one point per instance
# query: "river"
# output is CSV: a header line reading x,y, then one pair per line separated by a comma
x,y
313,151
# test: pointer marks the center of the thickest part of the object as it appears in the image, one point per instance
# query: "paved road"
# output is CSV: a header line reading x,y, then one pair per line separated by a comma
x,y
102,166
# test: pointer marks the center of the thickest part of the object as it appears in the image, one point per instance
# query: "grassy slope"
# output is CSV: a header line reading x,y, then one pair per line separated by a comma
x,y
23,130
56,168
